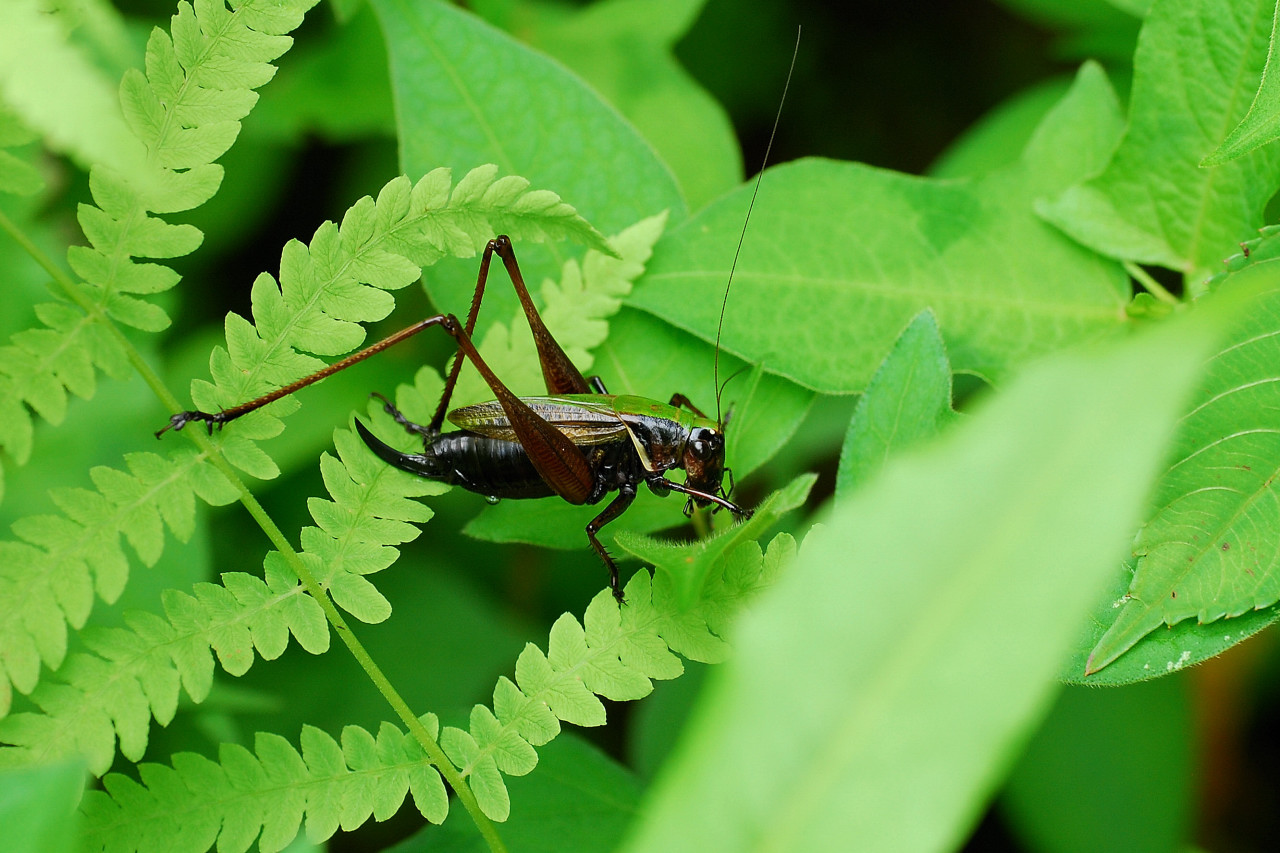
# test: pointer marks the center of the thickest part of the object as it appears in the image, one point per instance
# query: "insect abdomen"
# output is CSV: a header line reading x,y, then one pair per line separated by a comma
x,y
487,466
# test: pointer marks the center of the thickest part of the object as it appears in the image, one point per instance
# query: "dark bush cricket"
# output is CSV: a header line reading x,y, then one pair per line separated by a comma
x,y
579,442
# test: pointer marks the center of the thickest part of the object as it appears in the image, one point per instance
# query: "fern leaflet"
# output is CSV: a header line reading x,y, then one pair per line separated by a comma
x,y
266,794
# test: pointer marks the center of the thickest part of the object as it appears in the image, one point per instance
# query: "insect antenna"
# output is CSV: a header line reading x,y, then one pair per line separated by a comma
x,y
724,304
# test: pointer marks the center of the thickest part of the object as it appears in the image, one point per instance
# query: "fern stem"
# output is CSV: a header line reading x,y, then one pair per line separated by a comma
x,y
93,312
1149,284
20,237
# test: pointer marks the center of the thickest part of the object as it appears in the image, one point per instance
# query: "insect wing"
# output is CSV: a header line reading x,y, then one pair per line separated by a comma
x,y
585,419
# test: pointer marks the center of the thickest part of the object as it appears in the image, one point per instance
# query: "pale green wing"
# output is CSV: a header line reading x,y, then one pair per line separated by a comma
x,y
585,418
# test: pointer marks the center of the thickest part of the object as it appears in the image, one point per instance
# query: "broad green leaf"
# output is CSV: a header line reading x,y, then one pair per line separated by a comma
x,y
908,400
1261,124
1197,65
998,137
888,653
623,48
59,92
839,257
1208,549
467,93
37,808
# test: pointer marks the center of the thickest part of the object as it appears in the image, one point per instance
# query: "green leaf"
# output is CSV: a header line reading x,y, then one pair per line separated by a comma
x,y
1093,751
908,400
1206,550
467,93
998,137
58,91
624,49
888,652
839,257
1155,203
37,808
1261,125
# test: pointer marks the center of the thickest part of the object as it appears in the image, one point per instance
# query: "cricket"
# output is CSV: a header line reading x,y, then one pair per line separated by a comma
x,y
579,442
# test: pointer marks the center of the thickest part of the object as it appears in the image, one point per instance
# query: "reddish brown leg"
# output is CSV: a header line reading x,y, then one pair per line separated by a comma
x,y
178,421
558,372
559,461
681,401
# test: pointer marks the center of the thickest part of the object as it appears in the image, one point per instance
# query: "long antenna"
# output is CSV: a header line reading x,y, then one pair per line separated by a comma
x,y
741,237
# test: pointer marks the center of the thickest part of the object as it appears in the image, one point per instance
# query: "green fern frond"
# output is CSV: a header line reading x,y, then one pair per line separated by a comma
x,y
266,794
197,802
64,560
370,512
132,674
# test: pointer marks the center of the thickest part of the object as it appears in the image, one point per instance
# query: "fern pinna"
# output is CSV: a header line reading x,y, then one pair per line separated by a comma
x,y
185,110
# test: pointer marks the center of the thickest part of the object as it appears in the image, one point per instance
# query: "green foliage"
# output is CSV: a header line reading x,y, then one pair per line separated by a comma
x,y
898,655
907,401
1004,285
904,647
1206,550
1154,203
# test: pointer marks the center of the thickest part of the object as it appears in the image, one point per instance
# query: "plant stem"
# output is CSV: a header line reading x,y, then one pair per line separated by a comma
x,y
1150,284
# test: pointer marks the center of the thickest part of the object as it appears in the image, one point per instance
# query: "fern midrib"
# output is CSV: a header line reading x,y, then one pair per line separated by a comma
x,y
170,117
360,514
117,259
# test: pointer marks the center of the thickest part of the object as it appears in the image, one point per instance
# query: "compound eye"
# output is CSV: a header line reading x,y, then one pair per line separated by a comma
x,y
702,444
